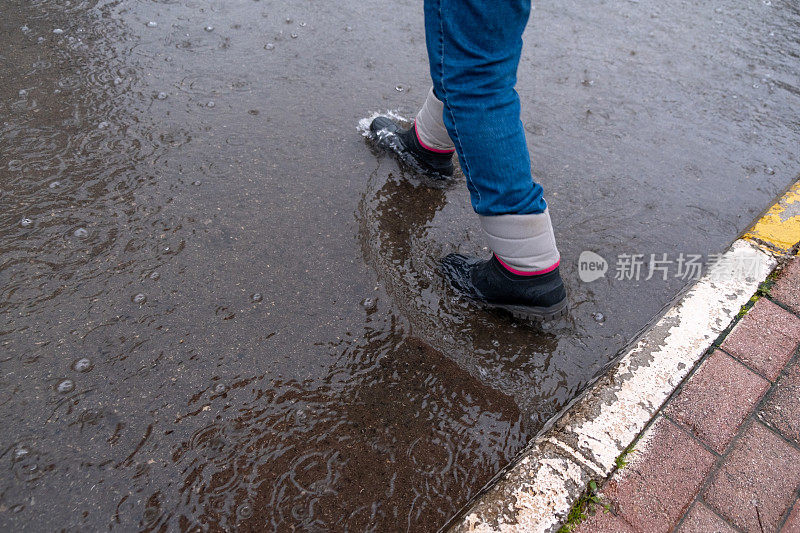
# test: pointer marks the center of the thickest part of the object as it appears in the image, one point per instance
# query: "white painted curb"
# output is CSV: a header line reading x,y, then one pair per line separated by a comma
x,y
536,494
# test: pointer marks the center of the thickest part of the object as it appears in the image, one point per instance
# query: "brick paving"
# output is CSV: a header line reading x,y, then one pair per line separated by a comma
x,y
723,455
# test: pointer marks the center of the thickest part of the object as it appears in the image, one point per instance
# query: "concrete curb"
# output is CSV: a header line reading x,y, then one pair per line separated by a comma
x,y
536,494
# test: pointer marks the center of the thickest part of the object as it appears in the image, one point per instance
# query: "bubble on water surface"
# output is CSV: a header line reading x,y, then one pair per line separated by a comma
x,y
599,317
288,20
209,28
368,303
103,125
117,80
154,276
210,103
23,93
55,185
81,233
84,364
302,24
269,46
399,88
58,31
770,171
66,386
161,95
256,297
21,452
220,388
294,36
152,24
26,222
139,298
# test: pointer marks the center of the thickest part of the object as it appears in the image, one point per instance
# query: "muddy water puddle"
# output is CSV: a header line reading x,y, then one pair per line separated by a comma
x,y
221,308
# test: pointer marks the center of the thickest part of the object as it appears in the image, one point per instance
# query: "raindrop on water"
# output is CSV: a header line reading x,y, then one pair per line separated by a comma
x,y
66,386
348,28
302,24
209,28
117,80
58,31
294,36
152,24
220,388
288,20
196,182
103,125
26,222
23,93
210,103
55,185
399,88
25,29
256,297
245,511
154,276
162,95
139,298
269,46
84,364
770,171
368,304
599,317
81,233
150,514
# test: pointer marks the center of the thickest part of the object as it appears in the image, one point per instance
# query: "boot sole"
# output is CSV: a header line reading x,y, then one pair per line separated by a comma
x,y
532,313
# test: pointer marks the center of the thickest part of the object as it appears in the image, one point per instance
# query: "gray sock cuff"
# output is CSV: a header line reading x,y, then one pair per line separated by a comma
x,y
523,242
430,125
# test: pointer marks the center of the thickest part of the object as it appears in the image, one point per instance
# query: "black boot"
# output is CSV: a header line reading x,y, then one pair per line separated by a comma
x,y
406,146
539,297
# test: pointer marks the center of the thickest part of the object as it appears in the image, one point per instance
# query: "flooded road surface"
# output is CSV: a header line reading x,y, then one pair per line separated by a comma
x,y
221,309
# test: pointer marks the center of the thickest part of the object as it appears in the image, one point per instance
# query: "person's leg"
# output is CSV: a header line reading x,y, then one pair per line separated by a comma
x,y
429,126
474,49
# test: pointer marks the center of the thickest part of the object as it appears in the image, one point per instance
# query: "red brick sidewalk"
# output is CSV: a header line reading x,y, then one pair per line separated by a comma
x,y
724,453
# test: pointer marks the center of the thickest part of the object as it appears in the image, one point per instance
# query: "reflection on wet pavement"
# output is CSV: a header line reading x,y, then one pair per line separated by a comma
x,y
221,309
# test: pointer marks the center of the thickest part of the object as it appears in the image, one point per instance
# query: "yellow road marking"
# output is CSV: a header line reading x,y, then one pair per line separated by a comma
x,y
779,229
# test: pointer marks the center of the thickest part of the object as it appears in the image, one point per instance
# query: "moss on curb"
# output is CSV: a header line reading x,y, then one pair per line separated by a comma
x,y
763,290
583,507
622,461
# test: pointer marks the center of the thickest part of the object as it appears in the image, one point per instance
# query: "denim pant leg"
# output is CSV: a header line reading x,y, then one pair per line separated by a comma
x,y
474,48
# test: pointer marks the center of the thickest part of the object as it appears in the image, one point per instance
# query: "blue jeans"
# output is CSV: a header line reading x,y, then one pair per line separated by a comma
x,y
474,48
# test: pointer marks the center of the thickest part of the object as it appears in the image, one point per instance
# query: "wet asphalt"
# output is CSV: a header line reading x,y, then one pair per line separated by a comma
x,y
221,307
